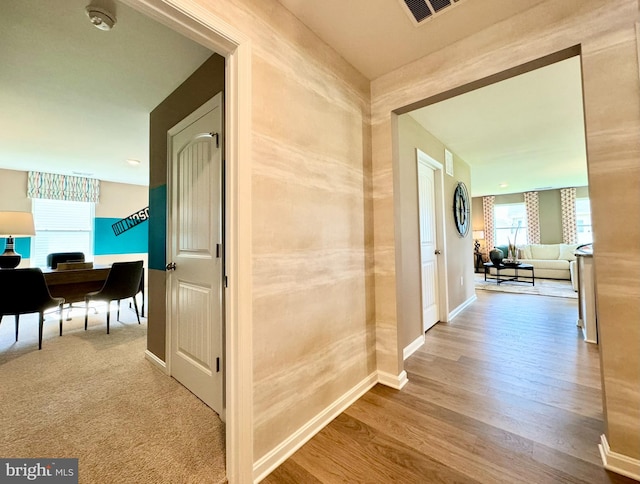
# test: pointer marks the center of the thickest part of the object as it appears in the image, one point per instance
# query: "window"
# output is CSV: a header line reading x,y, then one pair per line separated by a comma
x,y
583,221
61,226
508,218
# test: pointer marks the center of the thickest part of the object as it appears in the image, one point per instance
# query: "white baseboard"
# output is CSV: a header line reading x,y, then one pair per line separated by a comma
x,y
413,346
157,362
393,381
462,306
618,463
264,466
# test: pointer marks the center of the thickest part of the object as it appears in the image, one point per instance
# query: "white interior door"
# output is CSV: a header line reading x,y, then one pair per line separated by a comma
x,y
195,253
428,245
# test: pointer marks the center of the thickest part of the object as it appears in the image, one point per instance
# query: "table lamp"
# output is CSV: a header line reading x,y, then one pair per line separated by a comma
x,y
14,224
478,235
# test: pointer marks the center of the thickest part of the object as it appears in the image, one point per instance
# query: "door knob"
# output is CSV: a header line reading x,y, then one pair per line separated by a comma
x,y
171,266
437,253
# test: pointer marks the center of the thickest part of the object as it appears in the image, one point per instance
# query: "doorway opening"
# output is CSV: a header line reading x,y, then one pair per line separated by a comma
x,y
471,130
218,36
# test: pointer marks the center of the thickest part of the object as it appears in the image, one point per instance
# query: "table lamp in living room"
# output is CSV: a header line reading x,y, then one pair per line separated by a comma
x,y
14,224
478,235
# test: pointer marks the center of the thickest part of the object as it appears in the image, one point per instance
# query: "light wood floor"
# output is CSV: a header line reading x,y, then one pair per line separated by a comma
x,y
506,392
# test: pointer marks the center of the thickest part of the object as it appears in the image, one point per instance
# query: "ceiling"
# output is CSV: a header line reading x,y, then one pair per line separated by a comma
x,y
524,133
75,99
378,36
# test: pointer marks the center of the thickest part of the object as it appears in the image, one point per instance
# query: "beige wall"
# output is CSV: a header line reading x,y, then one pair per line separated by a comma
x,y
605,31
13,192
550,217
313,338
121,200
411,136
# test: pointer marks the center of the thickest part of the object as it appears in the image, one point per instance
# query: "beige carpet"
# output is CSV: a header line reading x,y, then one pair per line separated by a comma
x,y
95,397
543,287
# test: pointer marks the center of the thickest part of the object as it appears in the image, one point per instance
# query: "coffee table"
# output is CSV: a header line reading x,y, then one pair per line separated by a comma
x,y
521,273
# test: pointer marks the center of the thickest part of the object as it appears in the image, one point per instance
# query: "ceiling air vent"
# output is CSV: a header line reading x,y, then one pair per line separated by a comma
x,y
421,10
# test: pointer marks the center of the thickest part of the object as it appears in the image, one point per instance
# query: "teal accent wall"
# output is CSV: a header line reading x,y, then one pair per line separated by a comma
x,y
106,242
158,227
22,245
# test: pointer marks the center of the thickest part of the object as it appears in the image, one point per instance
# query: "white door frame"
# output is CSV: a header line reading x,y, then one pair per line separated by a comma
x,y
200,25
441,236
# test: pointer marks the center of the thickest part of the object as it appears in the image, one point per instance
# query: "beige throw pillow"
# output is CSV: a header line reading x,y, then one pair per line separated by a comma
x,y
567,251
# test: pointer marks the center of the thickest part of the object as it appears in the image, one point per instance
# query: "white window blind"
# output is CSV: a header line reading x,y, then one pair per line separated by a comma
x,y
61,226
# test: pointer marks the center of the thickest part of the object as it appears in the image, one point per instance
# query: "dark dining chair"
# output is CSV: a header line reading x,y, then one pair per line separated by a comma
x,y
56,258
122,282
25,291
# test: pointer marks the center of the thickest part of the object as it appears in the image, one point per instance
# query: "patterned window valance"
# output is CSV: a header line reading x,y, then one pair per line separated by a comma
x,y
63,187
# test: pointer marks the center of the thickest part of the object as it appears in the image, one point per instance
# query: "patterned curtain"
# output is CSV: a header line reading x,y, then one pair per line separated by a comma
x,y
569,227
533,217
487,212
62,187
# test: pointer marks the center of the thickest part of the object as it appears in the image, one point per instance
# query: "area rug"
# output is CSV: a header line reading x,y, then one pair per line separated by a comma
x,y
543,287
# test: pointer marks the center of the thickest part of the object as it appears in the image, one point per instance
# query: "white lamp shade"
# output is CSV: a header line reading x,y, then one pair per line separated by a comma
x,y
16,224
478,234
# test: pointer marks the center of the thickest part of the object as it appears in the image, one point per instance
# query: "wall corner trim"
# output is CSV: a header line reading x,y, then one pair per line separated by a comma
x,y
394,381
462,306
266,464
155,361
413,347
618,463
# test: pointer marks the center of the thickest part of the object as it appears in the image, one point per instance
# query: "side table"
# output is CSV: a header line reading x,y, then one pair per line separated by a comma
x,y
479,261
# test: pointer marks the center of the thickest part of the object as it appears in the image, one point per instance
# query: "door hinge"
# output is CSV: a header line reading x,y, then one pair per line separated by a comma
x,y
218,364
217,137
226,281
218,251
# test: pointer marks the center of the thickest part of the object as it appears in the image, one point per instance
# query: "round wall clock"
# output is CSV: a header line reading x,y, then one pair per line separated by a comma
x,y
461,209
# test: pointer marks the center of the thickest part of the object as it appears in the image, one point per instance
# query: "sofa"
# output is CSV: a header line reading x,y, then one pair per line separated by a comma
x,y
550,261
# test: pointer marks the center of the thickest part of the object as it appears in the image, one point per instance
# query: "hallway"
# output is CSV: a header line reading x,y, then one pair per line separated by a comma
x,y
506,392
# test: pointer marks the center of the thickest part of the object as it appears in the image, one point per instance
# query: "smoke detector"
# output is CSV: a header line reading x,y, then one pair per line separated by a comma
x,y
101,18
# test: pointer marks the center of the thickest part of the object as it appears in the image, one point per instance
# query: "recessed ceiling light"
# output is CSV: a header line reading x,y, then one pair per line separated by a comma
x,y
503,185
133,162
